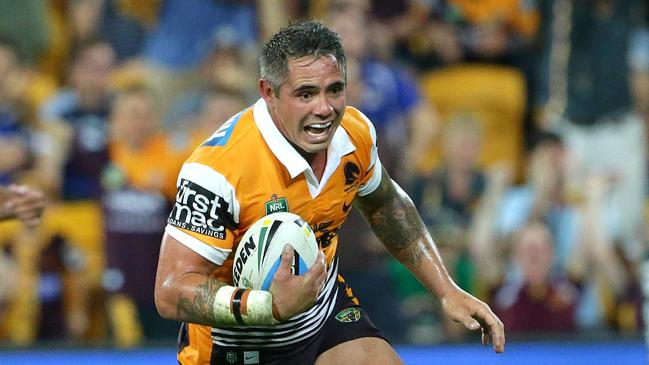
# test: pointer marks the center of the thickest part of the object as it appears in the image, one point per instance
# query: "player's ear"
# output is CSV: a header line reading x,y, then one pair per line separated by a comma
x,y
266,90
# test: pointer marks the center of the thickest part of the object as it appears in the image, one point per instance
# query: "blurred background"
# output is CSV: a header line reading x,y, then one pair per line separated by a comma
x,y
518,127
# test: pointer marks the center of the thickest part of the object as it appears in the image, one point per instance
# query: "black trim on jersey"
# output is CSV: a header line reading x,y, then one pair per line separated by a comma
x,y
183,337
214,356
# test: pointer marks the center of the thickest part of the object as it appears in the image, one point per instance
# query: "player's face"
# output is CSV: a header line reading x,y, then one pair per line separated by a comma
x,y
310,104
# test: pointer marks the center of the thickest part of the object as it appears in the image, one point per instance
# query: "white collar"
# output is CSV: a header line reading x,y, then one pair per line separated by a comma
x,y
340,146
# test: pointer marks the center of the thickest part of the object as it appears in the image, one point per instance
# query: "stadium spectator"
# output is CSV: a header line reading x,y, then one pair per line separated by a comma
x,y
138,186
217,107
594,91
540,302
79,115
19,309
224,70
25,25
544,197
586,95
7,283
386,92
186,32
577,246
448,199
440,33
475,58
17,145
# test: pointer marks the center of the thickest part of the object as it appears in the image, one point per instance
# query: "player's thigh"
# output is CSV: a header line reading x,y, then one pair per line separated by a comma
x,y
361,351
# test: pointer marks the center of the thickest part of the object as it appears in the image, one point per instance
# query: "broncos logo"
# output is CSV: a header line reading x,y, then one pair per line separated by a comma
x,y
351,173
325,233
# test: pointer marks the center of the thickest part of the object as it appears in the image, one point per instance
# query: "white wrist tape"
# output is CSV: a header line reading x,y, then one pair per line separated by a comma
x,y
243,307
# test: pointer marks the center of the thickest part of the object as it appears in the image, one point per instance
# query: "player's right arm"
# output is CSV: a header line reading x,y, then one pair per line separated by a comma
x,y
186,289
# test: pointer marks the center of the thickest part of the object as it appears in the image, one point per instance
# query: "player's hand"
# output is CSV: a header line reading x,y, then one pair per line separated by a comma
x,y
26,204
293,294
474,314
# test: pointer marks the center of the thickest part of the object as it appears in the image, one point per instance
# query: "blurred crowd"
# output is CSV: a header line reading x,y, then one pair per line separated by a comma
x,y
516,126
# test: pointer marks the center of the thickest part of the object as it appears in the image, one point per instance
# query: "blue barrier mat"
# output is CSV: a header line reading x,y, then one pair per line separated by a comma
x,y
529,353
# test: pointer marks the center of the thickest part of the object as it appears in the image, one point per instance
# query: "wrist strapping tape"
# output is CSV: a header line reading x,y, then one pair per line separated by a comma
x,y
243,307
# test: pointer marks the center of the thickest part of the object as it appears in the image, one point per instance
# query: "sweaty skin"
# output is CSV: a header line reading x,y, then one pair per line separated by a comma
x,y
394,219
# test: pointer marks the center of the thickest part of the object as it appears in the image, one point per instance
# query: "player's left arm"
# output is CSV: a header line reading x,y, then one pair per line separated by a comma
x,y
396,222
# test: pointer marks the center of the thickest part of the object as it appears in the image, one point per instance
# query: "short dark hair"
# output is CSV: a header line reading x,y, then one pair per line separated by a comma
x,y
306,38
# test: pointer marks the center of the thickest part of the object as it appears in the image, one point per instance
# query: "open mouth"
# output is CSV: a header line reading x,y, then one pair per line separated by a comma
x,y
318,130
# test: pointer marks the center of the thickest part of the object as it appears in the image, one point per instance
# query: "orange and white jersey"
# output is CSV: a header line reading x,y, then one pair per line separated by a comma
x,y
246,170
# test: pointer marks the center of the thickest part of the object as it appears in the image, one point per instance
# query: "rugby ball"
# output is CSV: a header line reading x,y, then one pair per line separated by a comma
x,y
259,252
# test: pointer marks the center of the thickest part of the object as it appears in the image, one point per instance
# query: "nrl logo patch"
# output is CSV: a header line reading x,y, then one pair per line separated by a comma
x,y
276,204
348,315
231,357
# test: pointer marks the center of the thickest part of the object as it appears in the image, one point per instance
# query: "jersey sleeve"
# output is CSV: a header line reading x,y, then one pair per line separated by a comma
x,y
205,212
374,170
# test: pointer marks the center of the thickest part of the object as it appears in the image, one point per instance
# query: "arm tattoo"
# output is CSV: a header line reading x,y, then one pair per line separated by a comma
x,y
200,308
415,252
396,222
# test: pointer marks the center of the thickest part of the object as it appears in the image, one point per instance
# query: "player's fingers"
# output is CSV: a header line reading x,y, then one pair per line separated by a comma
x,y
322,280
317,272
288,255
469,323
486,332
493,328
486,335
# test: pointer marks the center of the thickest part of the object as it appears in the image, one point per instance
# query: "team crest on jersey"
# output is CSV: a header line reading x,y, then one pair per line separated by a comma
x,y
199,210
276,204
351,171
325,233
348,315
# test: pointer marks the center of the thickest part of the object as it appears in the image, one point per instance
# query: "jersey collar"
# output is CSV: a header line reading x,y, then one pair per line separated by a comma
x,y
296,164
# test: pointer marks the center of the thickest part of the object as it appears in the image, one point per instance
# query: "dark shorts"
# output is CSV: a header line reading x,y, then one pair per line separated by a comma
x,y
347,322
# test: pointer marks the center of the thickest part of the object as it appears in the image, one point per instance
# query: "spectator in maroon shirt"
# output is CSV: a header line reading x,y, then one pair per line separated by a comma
x,y
537,302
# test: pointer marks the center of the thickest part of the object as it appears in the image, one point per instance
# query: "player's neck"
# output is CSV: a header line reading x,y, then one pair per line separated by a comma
x,y
317,161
